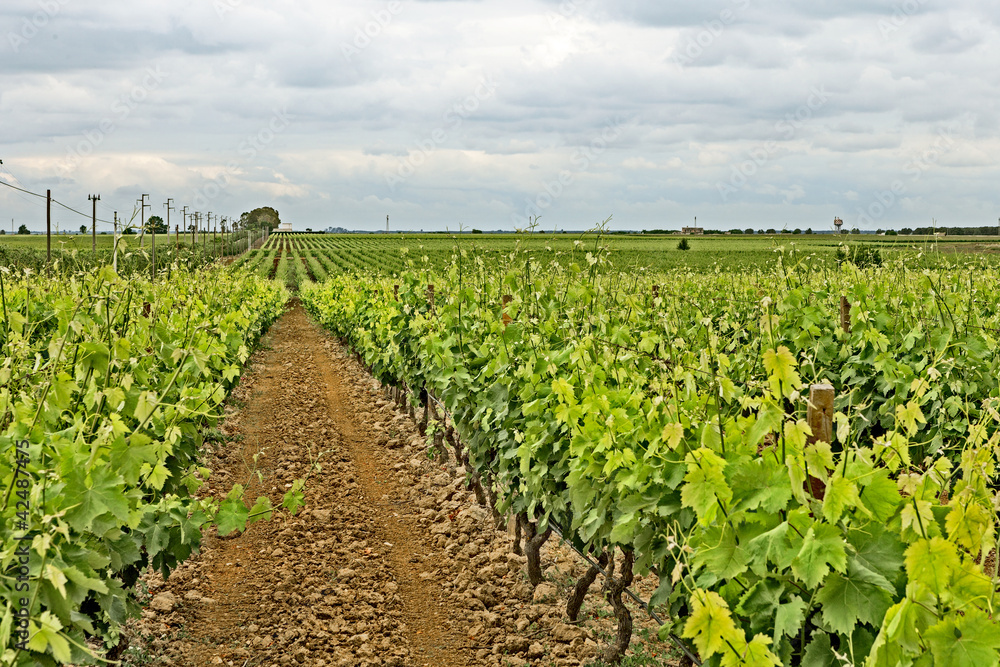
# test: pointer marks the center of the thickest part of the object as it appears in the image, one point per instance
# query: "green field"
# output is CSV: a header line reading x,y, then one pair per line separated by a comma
x,y
394,253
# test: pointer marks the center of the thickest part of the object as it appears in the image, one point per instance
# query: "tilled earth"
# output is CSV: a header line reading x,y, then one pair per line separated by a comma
x,y
391,562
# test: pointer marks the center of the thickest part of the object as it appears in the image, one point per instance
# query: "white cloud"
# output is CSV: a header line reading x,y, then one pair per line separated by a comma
x,y
368,84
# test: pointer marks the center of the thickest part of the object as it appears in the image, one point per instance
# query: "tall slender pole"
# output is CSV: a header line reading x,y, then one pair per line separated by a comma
x,y
114,247
48,229
185,211
152,240
169,208
93,228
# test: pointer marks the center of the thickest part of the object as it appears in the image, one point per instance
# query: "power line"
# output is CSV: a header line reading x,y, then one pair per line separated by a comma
x,y
14,187
55,201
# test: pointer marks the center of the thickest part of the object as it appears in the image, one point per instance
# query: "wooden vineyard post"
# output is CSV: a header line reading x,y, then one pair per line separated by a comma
x,y
845,314
430,297
820,415
656,292
505,299
820,420
395,292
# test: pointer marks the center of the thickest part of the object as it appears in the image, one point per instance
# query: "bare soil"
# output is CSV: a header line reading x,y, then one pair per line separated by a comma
x,y
391,562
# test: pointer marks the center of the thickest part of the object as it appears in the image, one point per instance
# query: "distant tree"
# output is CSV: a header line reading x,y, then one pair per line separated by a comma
x,y
83,229
128,230
684,245
748,230
796,231
23,229
906,230
855,231
260,218
309,229
735,231
892,232
156,224
809,230
771,231
880,231
3,232
760,231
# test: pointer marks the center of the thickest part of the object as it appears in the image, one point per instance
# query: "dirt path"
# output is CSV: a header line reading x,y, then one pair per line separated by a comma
x,y
391,562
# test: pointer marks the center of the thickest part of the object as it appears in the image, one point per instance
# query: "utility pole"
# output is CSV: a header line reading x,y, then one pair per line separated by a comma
x,y
142,226
114,247
48,231
93,228
169,209
185,211
152,244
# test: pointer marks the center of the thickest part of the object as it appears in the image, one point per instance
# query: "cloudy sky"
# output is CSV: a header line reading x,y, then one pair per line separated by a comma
x,y
482,114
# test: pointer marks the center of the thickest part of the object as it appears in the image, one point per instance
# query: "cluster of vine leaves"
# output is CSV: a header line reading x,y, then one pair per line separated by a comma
x,y
674,426
110,381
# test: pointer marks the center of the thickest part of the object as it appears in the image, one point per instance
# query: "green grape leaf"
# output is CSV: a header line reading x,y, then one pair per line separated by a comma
x,y
841,494
878,551
822,548
92,495
971,640
705,484
46,635
294,498
931,563
819,652
720,555
782,371
261,511
852,598
756,653
710,624
881,495
771,547
232,516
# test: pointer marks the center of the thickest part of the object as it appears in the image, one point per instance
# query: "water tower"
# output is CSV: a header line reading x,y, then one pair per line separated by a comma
x,y
838,223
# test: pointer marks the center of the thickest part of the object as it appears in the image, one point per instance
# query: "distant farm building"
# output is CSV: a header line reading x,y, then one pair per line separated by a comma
x,y
697,231
285,227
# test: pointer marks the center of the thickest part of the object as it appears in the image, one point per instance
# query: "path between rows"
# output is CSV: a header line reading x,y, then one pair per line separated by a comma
x,y
344,568
391,562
